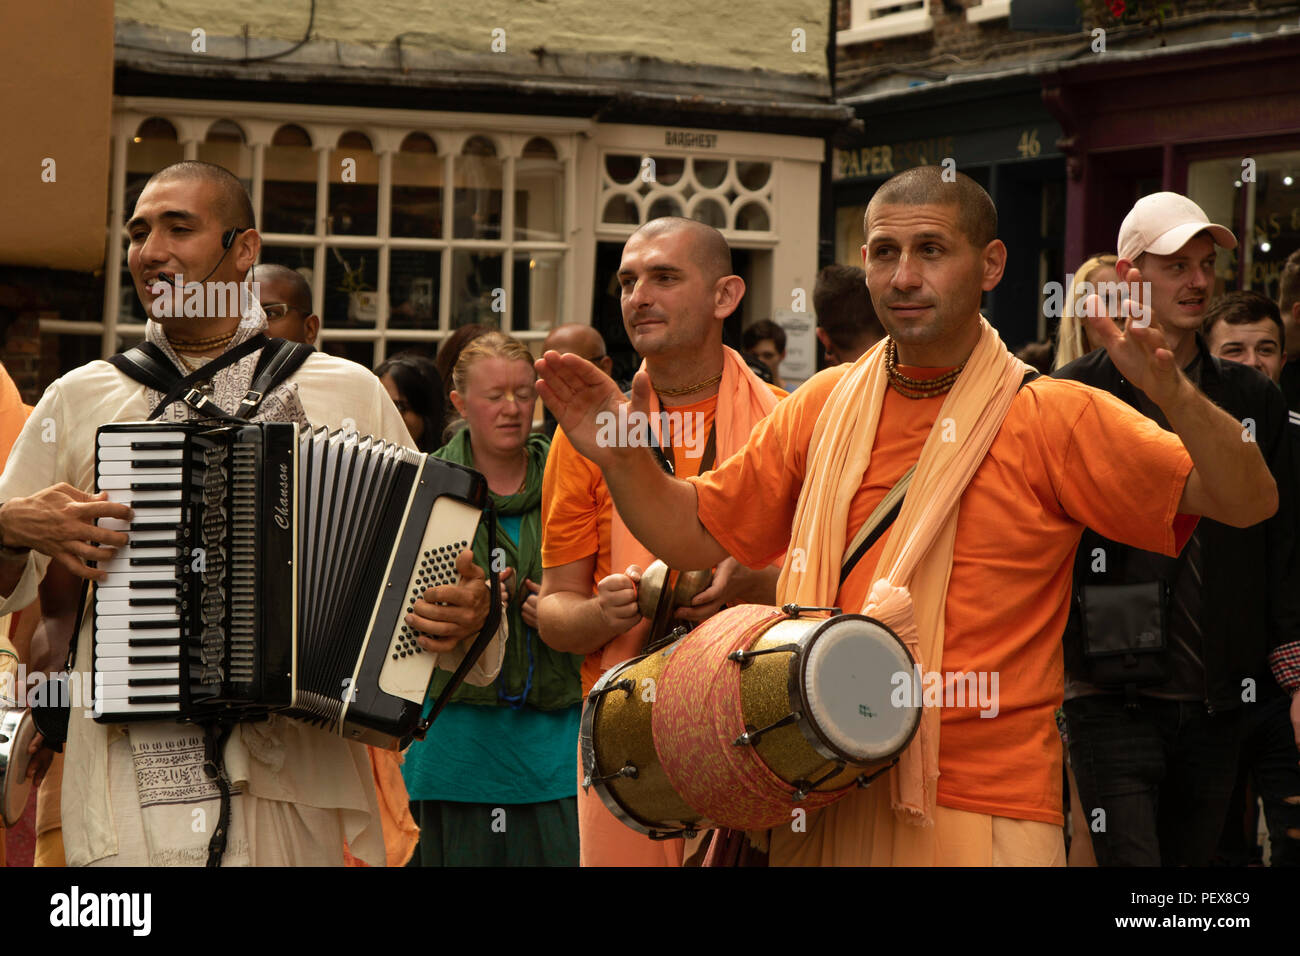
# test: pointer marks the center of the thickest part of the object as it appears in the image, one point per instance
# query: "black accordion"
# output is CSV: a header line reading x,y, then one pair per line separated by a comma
x,y
270,570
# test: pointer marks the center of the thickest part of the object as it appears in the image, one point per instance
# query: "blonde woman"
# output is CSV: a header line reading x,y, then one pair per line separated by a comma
x,y
495,781
1074,338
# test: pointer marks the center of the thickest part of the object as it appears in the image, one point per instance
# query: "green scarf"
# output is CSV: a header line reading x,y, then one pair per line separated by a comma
x,y
555,682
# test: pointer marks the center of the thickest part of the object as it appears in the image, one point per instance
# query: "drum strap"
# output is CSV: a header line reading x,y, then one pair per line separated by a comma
x,y
706,462
884,514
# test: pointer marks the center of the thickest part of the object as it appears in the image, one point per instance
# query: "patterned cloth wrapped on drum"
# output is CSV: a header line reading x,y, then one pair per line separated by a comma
x,y
755,713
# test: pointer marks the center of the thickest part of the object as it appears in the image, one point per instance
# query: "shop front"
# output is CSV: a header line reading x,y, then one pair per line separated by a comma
x,y
1218,122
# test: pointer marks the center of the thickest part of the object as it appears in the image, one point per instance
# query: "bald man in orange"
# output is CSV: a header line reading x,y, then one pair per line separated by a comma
x,y
677,287
983,588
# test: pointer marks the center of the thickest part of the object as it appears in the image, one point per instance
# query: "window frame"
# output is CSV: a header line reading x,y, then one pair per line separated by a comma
x,y
387,129
988,10
865,24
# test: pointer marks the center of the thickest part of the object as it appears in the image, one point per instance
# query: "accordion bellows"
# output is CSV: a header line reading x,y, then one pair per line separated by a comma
x,y
271,569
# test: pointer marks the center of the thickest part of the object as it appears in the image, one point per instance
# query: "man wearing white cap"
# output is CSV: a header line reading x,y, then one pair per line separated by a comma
x,y
1162,654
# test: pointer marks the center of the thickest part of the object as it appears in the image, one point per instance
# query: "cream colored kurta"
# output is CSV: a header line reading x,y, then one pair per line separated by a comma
x,y
304,791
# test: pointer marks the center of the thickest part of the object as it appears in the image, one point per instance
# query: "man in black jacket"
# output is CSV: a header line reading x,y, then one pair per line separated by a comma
x,y
1162,653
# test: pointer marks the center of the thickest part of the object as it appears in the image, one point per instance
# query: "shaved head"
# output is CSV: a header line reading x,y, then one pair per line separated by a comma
x,y
977,218
289,286
709,250
234,208
575,337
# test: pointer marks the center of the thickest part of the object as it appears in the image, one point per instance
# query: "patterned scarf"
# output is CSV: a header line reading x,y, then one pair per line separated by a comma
x,y
229,386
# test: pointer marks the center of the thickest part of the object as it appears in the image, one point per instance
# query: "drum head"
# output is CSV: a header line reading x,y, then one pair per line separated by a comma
x,y
849,678
16,732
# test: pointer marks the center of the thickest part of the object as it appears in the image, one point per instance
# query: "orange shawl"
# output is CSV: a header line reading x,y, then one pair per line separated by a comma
x,y
911,585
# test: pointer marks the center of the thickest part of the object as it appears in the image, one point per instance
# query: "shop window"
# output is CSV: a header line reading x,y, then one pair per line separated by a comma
x,y
414,286
351,294
537,292
539,193
354,187
477,207
714,191
289,187
478,295
1262,208
883,19
417,188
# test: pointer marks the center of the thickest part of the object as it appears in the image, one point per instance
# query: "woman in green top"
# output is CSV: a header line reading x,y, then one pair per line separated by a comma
x,y
493,784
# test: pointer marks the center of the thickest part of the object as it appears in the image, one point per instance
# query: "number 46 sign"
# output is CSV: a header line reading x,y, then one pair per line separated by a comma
x,y
1029,145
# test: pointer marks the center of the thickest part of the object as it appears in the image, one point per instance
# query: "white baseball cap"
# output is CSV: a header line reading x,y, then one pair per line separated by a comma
x,y
1163,222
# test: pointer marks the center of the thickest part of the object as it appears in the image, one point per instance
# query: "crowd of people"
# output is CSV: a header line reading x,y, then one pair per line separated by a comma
x,y
1116,539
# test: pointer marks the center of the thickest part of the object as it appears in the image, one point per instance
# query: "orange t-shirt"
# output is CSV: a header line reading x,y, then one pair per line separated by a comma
x,y
577,509
1067,456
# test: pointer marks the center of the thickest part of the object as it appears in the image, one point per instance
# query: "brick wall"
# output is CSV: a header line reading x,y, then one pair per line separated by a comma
x,y
980,46
21,350
26,297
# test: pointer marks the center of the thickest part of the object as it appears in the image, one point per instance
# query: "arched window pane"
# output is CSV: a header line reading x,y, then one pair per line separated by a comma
x,y
621,210
291,135
417,188
153,147
224,146
539,193
710,173
477,209
710,212
753,176
539,148
752,217
289,190
354,187
664,206
622,169
665,171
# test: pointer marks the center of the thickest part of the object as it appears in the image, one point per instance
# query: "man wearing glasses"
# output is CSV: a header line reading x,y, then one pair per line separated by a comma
x,y
286,300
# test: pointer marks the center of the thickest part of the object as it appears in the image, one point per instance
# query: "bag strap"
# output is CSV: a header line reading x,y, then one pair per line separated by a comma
x,y
884,514
279,360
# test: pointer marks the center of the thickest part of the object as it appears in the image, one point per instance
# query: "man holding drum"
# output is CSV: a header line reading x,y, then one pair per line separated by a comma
x,y
974,573
677,288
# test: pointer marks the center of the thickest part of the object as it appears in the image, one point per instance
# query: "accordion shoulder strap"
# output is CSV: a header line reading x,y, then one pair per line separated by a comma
x,y
146,364
279,360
